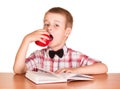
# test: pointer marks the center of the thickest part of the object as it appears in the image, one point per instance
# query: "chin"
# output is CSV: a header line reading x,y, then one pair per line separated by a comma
x,y
50,45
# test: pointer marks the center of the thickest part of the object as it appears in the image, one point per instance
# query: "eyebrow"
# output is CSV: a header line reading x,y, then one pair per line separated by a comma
x,y
55,21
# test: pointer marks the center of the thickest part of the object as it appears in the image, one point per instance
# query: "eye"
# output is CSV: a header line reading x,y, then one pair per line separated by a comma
x,y
56,25
46,25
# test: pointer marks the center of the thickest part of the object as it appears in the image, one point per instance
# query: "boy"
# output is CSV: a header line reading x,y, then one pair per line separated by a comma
x,y
58,23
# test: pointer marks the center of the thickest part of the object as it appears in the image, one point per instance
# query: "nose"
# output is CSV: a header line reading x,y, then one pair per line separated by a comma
x,y
49,29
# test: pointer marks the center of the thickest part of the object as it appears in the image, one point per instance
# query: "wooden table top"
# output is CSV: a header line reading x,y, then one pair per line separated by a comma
x,y
101,81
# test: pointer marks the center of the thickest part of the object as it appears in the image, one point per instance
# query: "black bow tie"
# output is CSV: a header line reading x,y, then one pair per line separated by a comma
x,y
59,53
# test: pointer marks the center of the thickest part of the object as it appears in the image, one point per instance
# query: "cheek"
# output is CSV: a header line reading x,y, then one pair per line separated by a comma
x,y
60,37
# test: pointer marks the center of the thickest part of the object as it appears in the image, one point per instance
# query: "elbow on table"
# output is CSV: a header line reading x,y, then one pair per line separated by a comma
x,y
104,68
18,70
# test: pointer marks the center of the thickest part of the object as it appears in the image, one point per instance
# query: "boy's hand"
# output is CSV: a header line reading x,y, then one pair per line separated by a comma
x,y
67,70
36,36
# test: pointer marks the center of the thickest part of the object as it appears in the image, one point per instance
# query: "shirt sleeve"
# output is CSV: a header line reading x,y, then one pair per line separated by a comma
x,y
88,61
32,61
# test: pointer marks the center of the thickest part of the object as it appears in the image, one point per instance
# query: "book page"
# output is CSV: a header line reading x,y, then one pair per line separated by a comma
x,y
80,77
49,73
60,75
65,75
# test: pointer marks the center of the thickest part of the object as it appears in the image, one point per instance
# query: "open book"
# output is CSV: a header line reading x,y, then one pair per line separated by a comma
x,y
43,76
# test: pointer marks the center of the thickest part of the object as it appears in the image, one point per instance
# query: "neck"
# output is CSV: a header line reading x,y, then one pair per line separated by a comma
x,y
55,48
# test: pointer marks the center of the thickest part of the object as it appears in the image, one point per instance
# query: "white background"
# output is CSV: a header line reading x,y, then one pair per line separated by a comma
x,y
95,32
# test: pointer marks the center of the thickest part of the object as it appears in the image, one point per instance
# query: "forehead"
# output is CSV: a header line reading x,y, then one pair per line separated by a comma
x,y
54,17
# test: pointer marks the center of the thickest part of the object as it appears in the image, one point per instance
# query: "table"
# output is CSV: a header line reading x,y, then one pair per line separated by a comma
x,y
101,81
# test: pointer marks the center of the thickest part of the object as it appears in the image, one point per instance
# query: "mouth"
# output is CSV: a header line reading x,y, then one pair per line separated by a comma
x,y
51,37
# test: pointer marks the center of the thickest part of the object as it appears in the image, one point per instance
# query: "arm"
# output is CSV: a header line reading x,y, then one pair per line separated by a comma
x,y
19,64
97,68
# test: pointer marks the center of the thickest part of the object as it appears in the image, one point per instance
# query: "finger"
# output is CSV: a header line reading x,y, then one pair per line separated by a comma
x,y
62,71
59,71
42,31
68,71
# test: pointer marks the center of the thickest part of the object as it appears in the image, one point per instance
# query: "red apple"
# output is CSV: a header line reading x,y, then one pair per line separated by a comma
x,y
45,40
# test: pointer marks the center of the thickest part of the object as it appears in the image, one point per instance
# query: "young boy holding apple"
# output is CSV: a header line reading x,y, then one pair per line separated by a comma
x,y
56,57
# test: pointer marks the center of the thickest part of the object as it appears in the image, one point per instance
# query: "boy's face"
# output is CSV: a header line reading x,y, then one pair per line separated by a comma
x,y
55,24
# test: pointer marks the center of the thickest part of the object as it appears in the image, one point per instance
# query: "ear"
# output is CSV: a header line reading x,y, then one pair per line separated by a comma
x,y
68,31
